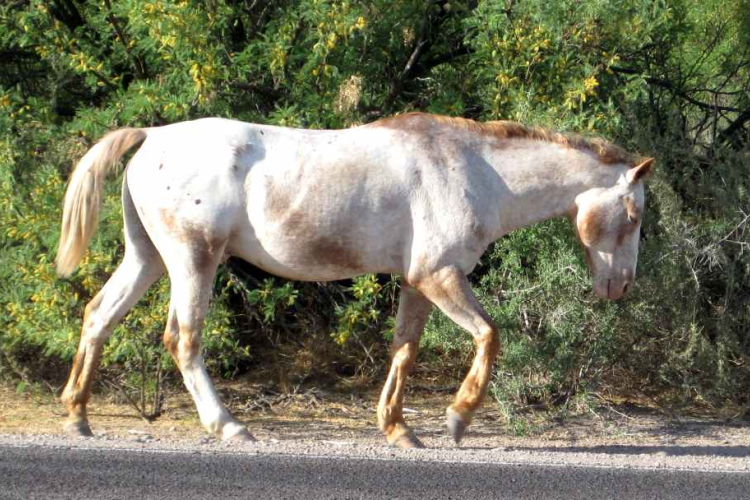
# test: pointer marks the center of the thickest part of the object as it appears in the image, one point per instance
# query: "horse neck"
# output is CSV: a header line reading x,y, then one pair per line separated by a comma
x,y
541,181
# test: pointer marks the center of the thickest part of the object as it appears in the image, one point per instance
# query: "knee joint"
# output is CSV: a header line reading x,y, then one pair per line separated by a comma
x,y
183,345
488,341
405,354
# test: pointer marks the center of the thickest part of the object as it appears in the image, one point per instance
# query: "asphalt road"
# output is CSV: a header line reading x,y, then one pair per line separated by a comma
x,y
43,472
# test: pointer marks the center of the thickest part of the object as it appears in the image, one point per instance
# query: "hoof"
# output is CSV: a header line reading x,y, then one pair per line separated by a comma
x,y
78,429
237,434
456,425
407,441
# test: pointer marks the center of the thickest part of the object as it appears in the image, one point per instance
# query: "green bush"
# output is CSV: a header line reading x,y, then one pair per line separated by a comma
x,y
668,79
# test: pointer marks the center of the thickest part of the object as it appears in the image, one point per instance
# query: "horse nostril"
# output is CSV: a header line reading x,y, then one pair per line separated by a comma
x,y
625,288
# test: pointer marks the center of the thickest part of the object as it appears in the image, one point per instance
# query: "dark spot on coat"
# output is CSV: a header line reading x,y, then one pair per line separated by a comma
x,y
198,202
168,188
160,165
261,133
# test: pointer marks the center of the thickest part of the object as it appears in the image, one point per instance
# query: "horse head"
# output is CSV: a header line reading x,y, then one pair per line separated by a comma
x,y
608,222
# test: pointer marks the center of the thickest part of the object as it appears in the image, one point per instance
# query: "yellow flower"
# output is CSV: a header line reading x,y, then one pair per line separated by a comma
x,y
590,84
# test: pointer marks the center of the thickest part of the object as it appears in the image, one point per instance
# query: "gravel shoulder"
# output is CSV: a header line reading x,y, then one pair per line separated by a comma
x,y
341,424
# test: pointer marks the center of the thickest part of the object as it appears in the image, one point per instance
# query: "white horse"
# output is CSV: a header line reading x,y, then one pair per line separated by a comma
x,y
417,195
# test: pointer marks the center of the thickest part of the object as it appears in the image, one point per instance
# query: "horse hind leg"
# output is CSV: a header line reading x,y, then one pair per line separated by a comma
x,y
128,284
192,278
413,310
140,267
449,289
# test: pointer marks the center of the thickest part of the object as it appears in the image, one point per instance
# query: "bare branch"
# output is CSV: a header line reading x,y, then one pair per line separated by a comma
x,y
666,84
730,133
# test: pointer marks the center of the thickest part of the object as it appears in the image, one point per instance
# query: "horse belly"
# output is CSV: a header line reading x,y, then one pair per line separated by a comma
x,y
296,249
323,238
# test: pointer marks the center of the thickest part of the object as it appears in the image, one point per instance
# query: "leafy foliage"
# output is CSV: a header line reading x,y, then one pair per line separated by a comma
x,y
666,78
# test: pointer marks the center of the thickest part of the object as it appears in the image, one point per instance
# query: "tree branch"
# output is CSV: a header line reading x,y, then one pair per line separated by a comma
x,y
138,65
66,12
731,132
666,84
435,61
436,12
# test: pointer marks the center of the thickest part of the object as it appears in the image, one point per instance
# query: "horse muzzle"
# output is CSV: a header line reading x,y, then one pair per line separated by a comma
x,y
612,288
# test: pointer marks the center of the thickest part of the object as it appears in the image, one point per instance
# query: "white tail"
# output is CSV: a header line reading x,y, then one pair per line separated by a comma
x,y
83,197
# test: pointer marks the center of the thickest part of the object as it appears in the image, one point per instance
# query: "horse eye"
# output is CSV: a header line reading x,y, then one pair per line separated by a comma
x,y
632,219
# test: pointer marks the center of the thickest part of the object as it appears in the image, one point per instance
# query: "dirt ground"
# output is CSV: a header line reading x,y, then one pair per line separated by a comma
x,y
346,415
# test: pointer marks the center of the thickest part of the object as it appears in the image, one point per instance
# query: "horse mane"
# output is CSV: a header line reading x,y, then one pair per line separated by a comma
x,y
605,151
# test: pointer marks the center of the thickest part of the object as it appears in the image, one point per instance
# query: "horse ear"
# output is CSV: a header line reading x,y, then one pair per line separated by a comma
x,y
641,170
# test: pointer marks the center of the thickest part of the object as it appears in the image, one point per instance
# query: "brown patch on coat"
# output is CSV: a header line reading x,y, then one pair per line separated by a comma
x,y
633,211
625,230
167,218
91,306
449,288
591,227
206,249
78,388
278,201
335,252
84,382
474,387
411,122
422,122
181,343
391,413
71,396
631,225
317,249
190,343
572,214
172,335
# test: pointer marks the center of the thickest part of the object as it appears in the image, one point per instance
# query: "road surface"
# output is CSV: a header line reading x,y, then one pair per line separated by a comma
x,y
31,470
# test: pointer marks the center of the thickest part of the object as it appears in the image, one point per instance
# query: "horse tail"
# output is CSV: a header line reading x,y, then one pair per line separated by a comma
x,y
83,196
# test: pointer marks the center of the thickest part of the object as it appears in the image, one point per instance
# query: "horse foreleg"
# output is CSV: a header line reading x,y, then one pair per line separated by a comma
x,y
449,289
413,310
191,292
128,284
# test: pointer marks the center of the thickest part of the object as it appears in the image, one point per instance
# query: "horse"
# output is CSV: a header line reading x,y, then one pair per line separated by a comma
x,y
416,195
